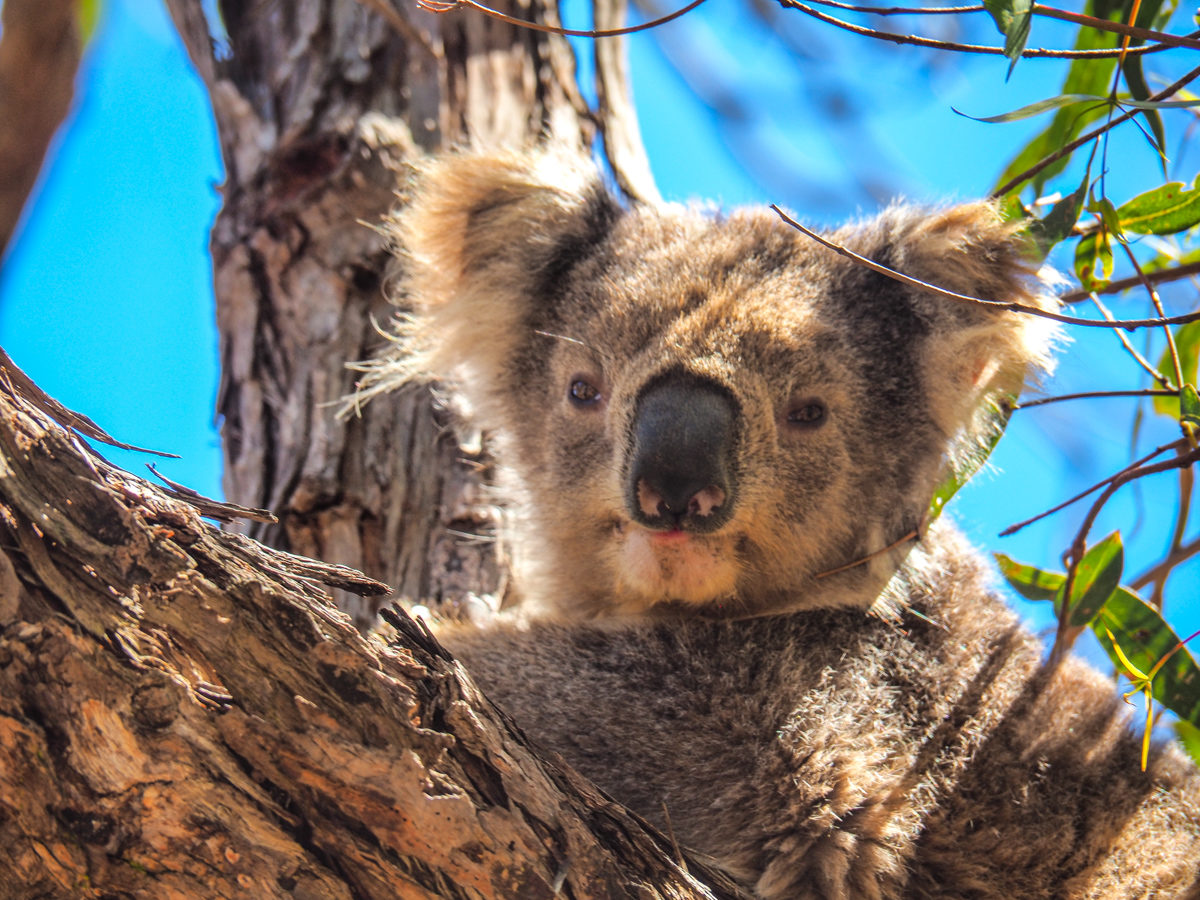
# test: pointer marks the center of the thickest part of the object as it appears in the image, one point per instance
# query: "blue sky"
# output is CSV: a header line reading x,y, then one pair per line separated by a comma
x,y
106,297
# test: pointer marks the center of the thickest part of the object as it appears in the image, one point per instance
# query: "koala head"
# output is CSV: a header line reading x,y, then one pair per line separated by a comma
x,y
705,414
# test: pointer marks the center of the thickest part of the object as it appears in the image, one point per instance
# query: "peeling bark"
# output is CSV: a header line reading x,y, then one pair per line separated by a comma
x,y
184,714
320,108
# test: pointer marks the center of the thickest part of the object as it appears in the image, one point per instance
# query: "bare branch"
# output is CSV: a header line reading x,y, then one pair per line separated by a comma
x,y
1162,40
1158,451
1129,31
1158,308
955,47
1174,558
1064,637
1158,376
442,6
402,26
615,111
1164,276
966,298
1071,146
1087,395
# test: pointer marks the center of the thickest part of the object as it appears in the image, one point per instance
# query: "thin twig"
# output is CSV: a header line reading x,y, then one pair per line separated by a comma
x,y
1172,350
1070,147
1062,640
901,10
1178,273
1129,31
955,47
1158,376
1186,482
911,536
1006,305
438,6
1184,553
1162,40
402,26
1042,401
1013,529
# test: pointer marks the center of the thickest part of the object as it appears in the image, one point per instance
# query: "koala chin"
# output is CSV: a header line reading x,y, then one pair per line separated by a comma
x,y
717,440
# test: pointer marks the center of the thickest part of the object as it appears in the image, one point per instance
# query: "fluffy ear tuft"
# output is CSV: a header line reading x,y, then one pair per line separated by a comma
x,y
978,357
482,241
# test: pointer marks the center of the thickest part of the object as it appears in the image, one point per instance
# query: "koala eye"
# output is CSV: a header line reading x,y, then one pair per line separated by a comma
x,y
582,393
807,414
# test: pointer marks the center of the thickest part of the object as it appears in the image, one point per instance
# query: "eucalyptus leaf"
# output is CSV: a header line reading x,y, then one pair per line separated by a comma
x,y
1135,80
1036,109
951,484
1057,225
1014,18
1090,77
1030,582
1096,577
1167,209
1187,343
1094,260
1189,405
1146,638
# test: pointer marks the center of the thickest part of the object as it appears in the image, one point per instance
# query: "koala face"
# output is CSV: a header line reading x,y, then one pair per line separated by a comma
x,y
706,415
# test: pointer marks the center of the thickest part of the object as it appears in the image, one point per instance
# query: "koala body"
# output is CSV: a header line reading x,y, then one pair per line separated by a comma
x,y
718,441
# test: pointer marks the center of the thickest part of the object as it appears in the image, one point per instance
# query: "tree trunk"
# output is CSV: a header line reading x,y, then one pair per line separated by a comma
x,y
183,711
184,715
320,107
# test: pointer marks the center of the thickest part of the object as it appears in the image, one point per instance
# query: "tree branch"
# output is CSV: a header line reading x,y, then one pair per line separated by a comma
x,y
1071,146
1164,276
184,713
966,298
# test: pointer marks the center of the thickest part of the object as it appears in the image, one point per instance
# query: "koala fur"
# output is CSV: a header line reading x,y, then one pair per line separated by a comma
x,y
710,428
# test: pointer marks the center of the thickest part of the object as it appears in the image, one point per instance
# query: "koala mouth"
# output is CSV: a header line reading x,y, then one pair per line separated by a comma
x,y
676,565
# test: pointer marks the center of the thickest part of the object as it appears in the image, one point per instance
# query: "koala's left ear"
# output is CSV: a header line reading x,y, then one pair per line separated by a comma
x,y
484,239
975,355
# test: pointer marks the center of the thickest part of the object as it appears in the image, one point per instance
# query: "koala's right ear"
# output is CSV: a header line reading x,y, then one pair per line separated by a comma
x,y
485,239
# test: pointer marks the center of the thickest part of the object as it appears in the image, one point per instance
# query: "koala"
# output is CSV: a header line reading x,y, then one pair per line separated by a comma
x,y
718,442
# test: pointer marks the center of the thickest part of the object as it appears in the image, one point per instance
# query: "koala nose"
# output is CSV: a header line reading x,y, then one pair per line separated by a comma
x,y
680,468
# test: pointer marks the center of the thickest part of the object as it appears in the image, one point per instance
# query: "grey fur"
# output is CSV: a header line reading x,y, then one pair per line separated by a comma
x,y
717,670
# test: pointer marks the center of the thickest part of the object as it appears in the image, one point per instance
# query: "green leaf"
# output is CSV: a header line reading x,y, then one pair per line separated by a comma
x,y
1036,109
1030,582
1057,224
1187,342
1189,736
1094,260
1108,215
1144,636
1135,80
1189,405
950,485
1096,577
1085,76
1013,18
1167,209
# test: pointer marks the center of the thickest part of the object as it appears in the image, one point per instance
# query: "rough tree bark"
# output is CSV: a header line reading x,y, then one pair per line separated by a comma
x,y
184,713
320,106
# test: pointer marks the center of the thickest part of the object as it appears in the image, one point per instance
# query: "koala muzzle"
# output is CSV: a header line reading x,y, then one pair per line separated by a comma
x,y
680,469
